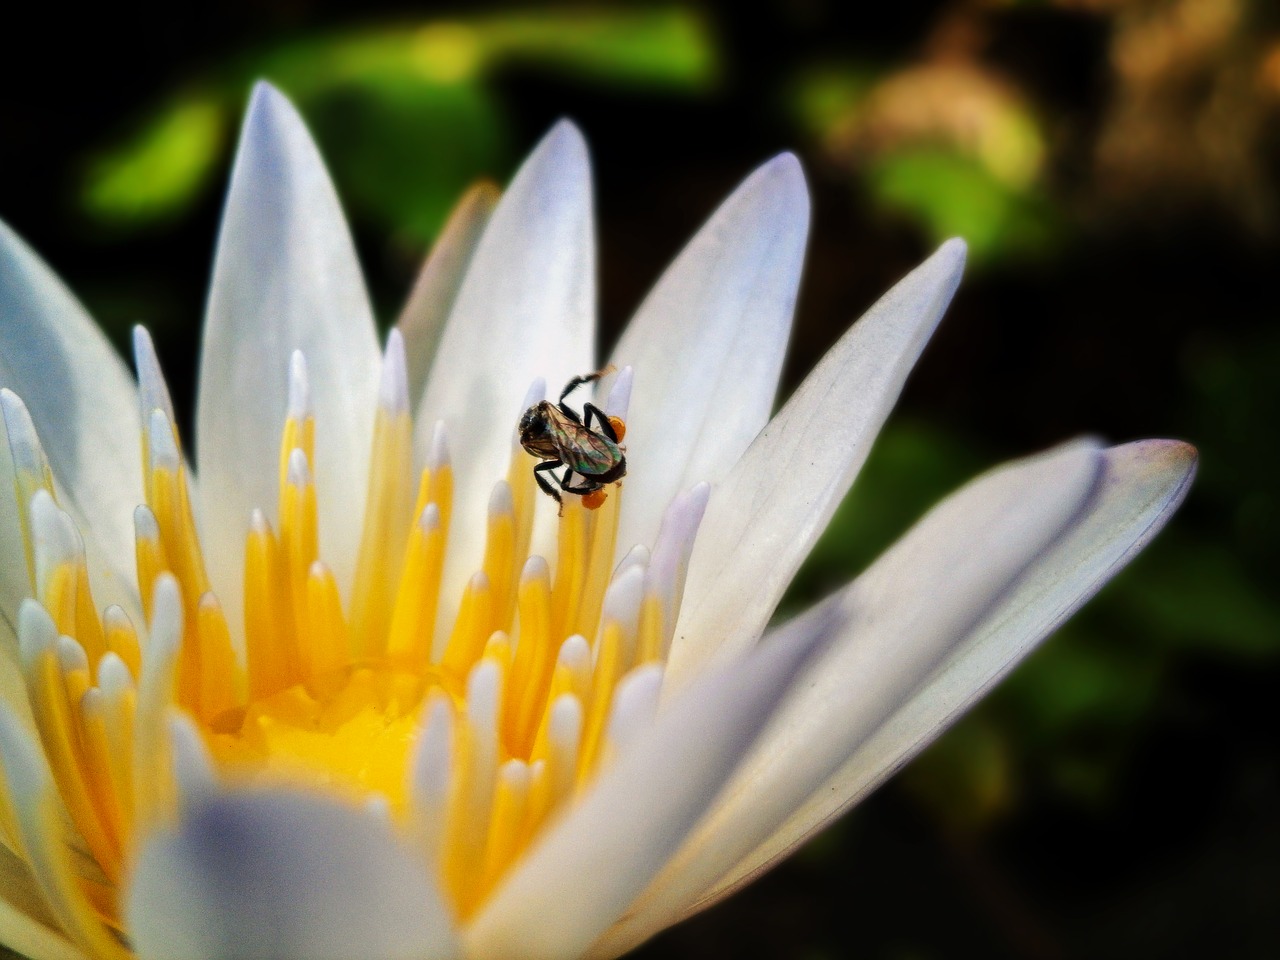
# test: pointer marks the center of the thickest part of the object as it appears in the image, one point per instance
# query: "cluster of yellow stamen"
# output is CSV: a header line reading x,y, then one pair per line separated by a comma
x,y
470,721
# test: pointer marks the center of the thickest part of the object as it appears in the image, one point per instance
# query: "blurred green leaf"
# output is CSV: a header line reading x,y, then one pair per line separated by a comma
x,y
402,112
163,166
670,46
404,152
826,98
951,194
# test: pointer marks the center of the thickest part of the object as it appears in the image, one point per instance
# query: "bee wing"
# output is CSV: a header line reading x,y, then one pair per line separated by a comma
x,y
588,452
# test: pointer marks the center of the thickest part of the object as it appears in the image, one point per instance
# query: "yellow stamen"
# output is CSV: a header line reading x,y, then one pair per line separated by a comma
x,y
470,721
471,628
534,662
414,616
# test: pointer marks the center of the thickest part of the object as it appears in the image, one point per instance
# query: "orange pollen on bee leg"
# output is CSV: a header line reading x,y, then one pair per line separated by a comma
x,y
619,428
469,716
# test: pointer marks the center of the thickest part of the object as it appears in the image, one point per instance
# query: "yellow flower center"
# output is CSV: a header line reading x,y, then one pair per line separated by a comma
x,y
469,721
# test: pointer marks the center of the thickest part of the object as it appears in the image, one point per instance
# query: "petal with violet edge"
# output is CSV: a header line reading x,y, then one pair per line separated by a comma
x,y
283,874
525,310
708,342
285,278
777,499
900,620
635,817
84,406
1142,484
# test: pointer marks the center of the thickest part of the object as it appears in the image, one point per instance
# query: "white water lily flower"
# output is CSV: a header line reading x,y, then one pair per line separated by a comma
x,y
359,692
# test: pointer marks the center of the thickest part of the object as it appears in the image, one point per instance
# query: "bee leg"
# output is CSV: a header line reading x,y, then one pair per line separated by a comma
x,y
590,410
569,412
544,467
587,485
576,382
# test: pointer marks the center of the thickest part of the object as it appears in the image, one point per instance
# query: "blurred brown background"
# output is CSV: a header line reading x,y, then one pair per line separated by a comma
x,y
1115,165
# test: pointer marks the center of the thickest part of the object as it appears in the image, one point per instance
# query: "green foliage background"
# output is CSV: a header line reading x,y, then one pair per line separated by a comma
x,y
1117,180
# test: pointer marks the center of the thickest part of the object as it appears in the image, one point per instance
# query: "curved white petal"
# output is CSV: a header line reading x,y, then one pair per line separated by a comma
x,y
900,623
708,342
276,874
84,405
526,310
581,876
1142,485
285,278
776,501
435,291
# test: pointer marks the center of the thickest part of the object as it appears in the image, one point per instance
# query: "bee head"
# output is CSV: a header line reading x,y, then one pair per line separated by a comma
x,y
535,431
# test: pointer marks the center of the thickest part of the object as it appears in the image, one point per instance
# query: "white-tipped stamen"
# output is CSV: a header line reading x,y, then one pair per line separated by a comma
x,y
637,556
564,734
619,399
299,407
153,390
393,387
299,474
24,444
36,632
114,677
194,775
145,526
622,599
635,703
30,788
438,450
431,776
163,452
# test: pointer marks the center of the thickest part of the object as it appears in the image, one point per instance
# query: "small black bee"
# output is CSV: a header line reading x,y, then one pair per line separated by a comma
x,y
555,433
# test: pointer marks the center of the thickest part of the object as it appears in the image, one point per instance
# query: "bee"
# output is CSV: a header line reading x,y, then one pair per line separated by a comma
x,y
587,446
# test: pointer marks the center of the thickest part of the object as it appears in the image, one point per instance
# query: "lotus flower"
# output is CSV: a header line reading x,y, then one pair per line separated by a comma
x,y
353,687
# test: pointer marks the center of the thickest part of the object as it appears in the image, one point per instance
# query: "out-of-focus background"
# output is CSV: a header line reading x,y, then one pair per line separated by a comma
x,y
1115,167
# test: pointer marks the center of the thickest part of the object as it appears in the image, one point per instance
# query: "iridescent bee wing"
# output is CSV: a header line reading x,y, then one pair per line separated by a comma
x,y
590,454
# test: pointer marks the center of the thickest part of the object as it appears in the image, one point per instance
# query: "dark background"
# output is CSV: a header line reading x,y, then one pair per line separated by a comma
x,y
1115,166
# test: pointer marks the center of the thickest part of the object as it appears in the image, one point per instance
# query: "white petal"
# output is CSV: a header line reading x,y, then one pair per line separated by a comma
x,y
526,309
1142,484
285,278
436,290
84,405
278,874
778,498
900,622
582,875
707,344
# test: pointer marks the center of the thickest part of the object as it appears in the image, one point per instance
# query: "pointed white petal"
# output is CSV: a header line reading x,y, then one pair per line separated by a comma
x,y
285,278
778,498
278,874
84,406
599,857
526,309
1142,484
900,623
436,290
707,344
